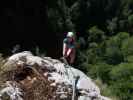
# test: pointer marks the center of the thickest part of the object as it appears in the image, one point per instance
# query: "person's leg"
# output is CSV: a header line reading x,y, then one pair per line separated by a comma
x,y
72,57
67,58
66,49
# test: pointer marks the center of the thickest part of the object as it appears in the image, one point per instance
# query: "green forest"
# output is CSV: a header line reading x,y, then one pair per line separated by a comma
x,y
104,30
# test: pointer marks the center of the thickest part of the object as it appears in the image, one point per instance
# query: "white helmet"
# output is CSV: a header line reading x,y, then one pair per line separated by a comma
x,y
70,34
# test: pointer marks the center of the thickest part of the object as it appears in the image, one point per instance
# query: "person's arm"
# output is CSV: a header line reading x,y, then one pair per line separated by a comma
x,y
64,49
69,51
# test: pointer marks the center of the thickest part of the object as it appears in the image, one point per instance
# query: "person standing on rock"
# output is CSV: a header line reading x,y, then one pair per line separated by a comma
x,y
69,47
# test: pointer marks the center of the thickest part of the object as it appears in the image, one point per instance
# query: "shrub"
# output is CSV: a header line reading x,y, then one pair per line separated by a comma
x,y
121,81
101,71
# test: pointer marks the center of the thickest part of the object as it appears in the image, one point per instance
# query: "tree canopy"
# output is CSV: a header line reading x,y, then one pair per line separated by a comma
x,y
106,26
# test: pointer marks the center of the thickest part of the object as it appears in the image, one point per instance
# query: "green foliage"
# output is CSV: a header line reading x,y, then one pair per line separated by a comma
x,y
113,54
59,17
122,71
112,25
80,63
104,89
105,60
95,34
123,35
130,20
100,70
127,48
92,57
106,46
130,59
121,81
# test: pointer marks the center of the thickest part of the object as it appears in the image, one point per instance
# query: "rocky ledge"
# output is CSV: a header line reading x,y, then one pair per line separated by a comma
x,y
29,77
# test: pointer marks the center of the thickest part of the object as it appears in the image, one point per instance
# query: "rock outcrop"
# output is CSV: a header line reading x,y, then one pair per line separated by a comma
x,y
29,77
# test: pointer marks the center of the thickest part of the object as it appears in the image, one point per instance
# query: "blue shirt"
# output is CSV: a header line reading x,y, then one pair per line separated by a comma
x,y
69,44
